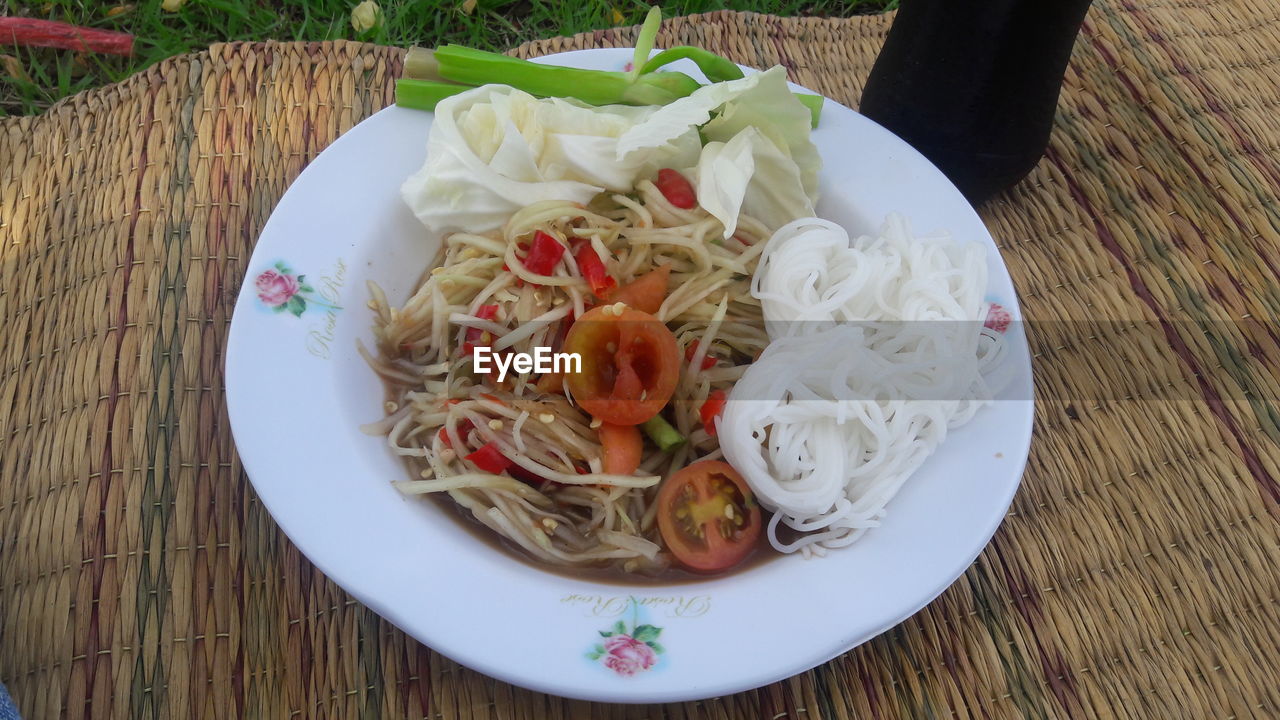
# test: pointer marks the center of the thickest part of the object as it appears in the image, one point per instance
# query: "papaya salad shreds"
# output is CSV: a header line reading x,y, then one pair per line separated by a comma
x,y
522,455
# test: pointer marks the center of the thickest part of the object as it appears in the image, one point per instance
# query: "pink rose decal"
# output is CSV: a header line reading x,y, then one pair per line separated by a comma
x,y
283,290
628,651
625,655
998,318
275,289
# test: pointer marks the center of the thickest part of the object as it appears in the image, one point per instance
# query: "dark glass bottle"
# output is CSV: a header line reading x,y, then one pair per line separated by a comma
x,y
973,84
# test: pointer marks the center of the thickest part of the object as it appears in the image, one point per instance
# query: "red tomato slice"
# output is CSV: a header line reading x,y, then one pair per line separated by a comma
x,y
646,292
708,517
630,364
623,447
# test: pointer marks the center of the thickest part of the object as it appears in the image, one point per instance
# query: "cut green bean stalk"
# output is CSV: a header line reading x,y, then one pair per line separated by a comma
x,y
420,64
814,103
431,76
424,94
594,87
662,434
716,68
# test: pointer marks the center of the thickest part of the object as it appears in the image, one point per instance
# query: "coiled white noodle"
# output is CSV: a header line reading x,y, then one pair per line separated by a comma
x,y
878,350
811,271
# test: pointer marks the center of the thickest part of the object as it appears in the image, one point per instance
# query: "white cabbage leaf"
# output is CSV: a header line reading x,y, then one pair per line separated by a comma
x,y
494,150
774,111
750,174
759,158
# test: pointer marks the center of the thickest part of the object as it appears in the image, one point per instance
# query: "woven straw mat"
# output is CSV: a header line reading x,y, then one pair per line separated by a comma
x,y
1135,575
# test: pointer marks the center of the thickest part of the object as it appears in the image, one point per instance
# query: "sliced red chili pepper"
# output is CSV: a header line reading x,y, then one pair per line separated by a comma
x,y
476,336
519,472
544,254
711,408
676,189
489,459
519,280
593,270
708,362
464,427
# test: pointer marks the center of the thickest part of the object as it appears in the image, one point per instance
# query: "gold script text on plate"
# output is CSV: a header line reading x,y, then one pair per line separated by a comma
x,y
686,606
320,336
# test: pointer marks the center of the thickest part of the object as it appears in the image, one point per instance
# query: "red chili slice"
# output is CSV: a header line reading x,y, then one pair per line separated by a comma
x,y
544,254
518,472
676,189
708,361
464,427
476,336
489,459
712,408
593,270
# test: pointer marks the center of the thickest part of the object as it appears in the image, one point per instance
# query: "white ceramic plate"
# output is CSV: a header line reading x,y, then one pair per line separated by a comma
x,y
297,390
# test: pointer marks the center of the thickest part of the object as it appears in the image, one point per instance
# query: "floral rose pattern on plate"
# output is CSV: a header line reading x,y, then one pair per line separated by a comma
x,y
282,290
628,651
998,318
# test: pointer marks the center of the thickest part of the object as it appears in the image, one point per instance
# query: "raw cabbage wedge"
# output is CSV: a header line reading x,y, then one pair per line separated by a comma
x,y
759,158
751,174
495,149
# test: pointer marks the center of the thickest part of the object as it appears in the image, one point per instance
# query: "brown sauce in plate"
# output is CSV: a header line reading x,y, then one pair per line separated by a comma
x,y
760,555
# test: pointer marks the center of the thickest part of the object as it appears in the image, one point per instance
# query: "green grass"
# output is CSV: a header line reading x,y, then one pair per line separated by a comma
x,y
33,79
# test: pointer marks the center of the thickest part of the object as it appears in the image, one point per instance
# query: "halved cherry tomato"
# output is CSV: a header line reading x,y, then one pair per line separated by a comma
x,y
710,409
676,189
708,517
630,364
646,292
622,448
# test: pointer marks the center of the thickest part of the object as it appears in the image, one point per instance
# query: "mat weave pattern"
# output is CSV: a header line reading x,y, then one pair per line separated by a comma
x,y
1136,575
